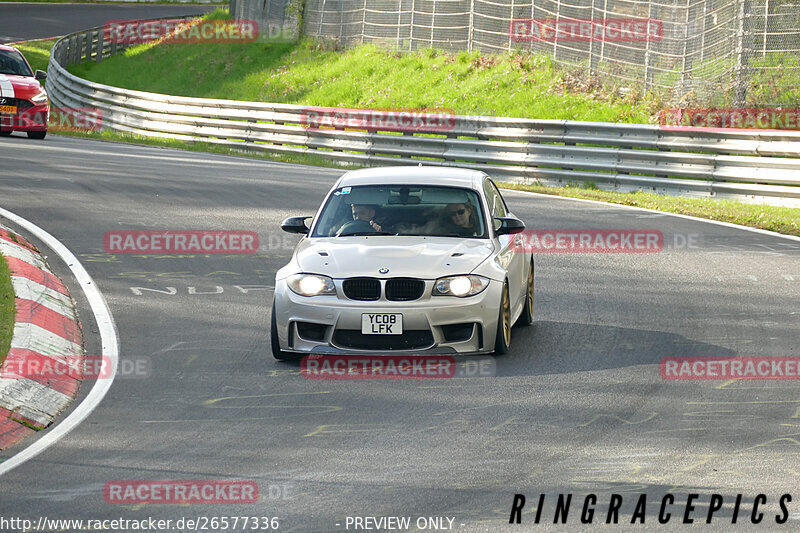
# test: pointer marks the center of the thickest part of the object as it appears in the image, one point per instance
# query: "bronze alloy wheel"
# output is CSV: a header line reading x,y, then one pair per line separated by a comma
x,y
503,337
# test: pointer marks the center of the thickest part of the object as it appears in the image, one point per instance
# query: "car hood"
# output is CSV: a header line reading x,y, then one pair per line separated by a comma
x,y
23,87
418,257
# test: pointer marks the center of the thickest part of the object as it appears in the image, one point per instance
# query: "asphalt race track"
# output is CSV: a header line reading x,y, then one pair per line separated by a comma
x,y
22,21
578,405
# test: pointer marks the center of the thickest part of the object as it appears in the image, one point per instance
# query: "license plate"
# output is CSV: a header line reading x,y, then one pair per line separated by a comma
x,y
12,109
381,323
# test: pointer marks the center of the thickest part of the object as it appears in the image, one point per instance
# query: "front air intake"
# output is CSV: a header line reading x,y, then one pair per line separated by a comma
x,y
362,288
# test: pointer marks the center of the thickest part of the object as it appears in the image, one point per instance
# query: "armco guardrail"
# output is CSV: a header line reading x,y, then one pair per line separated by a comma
x,y
761,166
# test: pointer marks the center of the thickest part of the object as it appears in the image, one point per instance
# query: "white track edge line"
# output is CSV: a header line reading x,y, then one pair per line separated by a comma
x,y
108,339
679,215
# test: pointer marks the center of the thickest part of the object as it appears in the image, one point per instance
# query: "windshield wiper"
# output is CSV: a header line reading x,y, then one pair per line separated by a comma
x,y
362,233
428,235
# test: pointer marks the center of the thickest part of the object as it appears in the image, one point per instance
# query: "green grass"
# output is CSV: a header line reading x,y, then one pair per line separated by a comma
x,y
776,79
37,52
773,81
7,309
313,73
779,219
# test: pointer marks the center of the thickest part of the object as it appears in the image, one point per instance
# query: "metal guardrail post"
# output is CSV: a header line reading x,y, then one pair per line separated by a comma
x,y
89,42
99,46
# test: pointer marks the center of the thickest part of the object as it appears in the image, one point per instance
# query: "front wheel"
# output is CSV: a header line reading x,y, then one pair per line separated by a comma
x,y
37,134
5,133
526,318
503,337
276,345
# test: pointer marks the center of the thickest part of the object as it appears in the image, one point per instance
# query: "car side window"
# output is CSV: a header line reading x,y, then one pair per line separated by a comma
x,y
500,198
496,204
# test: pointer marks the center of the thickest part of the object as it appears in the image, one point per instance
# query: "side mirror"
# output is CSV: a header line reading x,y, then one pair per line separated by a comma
x,y
40,75
295,225
509,226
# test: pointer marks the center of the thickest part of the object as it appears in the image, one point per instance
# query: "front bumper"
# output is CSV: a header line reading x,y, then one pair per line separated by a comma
x,y
29,119
431,325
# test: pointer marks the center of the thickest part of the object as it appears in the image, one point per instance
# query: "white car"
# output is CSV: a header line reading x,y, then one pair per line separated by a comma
x,y
404,260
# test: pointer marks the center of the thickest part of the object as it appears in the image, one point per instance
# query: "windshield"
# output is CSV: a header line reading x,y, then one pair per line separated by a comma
x,y
402,210
12,62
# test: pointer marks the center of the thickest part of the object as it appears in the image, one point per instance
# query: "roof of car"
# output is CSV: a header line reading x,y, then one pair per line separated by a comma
x,y
448,177
7,47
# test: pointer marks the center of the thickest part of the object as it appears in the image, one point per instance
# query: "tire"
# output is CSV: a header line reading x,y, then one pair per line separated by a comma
x,y
279,354
5,133
526,318
37,134
503,336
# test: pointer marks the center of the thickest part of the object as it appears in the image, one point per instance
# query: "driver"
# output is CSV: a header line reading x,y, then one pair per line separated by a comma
x,y
366,212
362,212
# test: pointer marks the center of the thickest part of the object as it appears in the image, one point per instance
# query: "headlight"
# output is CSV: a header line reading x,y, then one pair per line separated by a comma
x,y
311,284
460,286
40,98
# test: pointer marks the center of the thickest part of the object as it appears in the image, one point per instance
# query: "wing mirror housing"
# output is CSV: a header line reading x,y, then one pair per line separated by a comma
x,y
508,226
40,75
295,225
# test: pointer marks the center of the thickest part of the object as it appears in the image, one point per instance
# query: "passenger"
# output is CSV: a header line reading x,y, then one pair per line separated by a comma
x,y
460,219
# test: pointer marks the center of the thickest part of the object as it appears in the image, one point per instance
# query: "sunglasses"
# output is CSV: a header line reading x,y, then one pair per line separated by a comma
x,y
457,212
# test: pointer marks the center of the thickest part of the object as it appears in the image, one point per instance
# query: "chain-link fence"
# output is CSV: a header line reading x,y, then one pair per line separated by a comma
x,y
275,18
695,52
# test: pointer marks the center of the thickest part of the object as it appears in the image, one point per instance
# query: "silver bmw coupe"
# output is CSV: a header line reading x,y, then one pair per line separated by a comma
x,y
404,260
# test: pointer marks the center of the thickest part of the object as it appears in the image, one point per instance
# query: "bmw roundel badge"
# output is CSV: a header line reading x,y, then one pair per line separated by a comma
x,y
383,270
